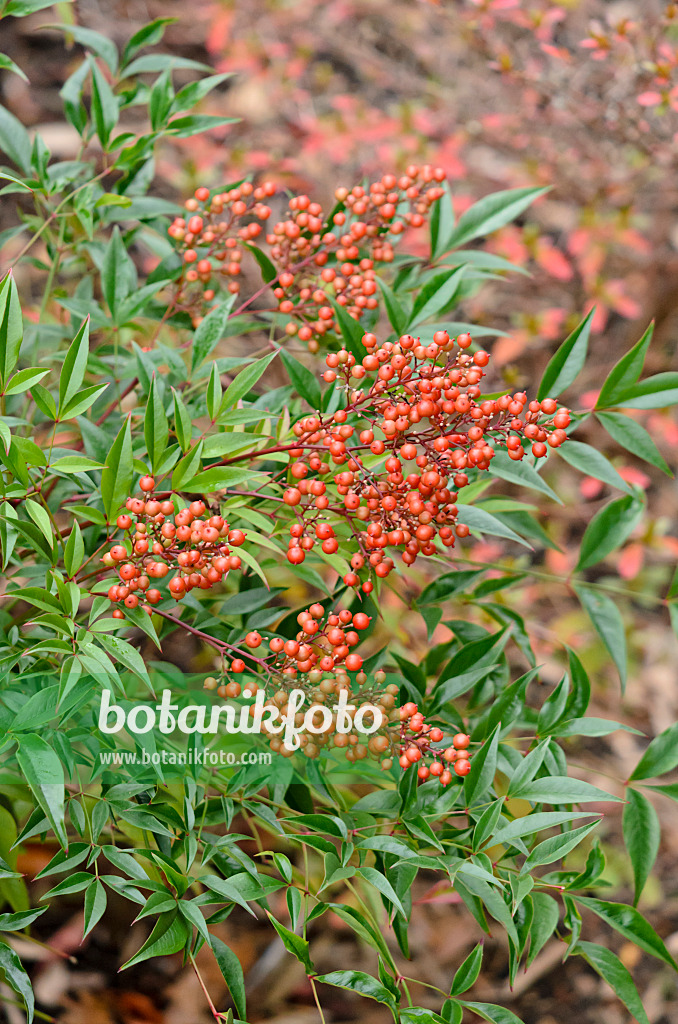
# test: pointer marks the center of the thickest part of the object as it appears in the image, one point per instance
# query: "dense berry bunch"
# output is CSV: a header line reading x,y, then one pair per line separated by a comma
x,y
317,662
210,239
416,747
403,447
317,257
337,259
192,550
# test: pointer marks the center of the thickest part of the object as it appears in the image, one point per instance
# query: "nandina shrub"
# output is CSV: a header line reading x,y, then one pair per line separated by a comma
x,y
154,486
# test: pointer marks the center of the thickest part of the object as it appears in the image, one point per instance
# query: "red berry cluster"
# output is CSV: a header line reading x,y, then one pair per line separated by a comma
x,y
416,739
356,237
161,542
210,238
323,642
317,257
425,408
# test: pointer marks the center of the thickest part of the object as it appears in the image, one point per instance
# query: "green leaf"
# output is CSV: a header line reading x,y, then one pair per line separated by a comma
x,y
562,790
80,403
40,517
75,464
268,269
608,623
611,969
99,44
160,101
11,325
16,976
95,904
557,847
230,967
74,366
441,225
305,382
105,110
350,329
194,124
656,392
642,833
194,92
115,272
483,769
219,478
590,727
169,935
149,35
213,396
633,437
156,427
436,295
590,461
74,552
397,315
382,883
294,944
449,584
660,757
491,213
631,924
625,373
15,141
363,984
565,366
209,331
116,478
182,422
24,379
7,64
467,974
520,473
44,774
544,923
608,530
244,382
479,522
123,652
15,181
492,1012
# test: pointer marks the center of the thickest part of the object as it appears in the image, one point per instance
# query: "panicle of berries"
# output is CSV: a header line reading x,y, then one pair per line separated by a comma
x,y
426,415
190,548
318,662
210,239
416,747
318,257
336,259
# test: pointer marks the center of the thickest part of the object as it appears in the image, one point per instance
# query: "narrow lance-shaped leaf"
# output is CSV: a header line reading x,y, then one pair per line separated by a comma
x,y
608,529
625,373
491,213
630,923
642,833
608,623
11,327
156,427
633,437
230,967
44,774
116,478
611,969
74,366
660,757
565,366
16,977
